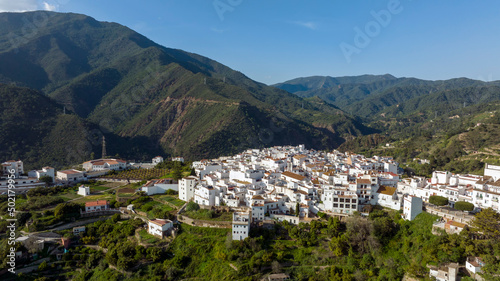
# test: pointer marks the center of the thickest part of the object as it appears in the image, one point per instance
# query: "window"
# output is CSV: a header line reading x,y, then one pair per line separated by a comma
x,y
335,200
347,206
335,205
348,200
341,199
341,205
353,201
353,206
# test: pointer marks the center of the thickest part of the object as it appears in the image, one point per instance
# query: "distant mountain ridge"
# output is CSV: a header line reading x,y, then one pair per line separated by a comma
x,y
130,87
369,95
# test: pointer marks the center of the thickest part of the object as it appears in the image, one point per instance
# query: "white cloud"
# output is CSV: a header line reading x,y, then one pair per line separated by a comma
x,y
307,24
25,5
48,7
18,5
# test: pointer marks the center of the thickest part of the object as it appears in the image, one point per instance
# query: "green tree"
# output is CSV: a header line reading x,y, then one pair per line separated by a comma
x,y
488,223
177,173
464,206
438,200
46,179
192,206
297,209
67,210
338,245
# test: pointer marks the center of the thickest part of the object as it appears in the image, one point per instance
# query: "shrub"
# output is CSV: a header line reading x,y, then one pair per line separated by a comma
x,y
192,206
464,206
438,200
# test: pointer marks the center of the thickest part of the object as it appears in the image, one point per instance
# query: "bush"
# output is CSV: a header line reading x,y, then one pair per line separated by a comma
x,y
464,206
438,200
171,192
192,206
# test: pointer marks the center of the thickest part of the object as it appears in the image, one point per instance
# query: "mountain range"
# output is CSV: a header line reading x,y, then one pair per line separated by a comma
x,y
368,96
70,79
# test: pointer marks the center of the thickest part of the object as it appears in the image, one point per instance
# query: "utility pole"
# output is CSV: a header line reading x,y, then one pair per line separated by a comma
x,y
103,147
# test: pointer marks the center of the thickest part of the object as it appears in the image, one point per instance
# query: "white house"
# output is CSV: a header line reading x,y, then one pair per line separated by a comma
x,y
241,225
157,160
289,218
45,171
492,171
444,273
340,201
159,186
412,206
179,159
103,164
96,206
186,188
70,175
17,166
292,177
159,227
386,196
474,265
205,195
83,190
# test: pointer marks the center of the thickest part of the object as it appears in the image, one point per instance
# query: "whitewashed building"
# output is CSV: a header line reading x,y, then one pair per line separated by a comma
x,y
104,164
241,225
159,186
159,227
187,187
10,165
83,190
45,171
412,206
157,160
71,175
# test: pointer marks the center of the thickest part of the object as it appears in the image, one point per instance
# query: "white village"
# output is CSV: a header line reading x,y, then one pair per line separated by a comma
x,y
293,184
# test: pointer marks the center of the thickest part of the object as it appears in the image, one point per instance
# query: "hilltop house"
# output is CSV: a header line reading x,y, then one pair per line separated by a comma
x,y
70,175
386,196
157,160
45,171
241,225
159,186
159,227
103,164
96,206
10,165
83,190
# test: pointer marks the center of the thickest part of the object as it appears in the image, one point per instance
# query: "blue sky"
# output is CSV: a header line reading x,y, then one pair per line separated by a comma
x,y
276,40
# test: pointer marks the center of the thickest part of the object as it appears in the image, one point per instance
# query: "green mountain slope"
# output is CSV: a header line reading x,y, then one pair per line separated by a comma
x,y
181,103
370,95
34,128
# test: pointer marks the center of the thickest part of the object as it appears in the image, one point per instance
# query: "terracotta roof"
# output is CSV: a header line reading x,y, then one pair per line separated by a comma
x,y
457,224
387,190
293,176
257,197
96,203
160,222
363,181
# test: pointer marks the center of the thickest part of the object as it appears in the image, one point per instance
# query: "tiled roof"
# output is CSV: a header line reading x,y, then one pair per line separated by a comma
x,y
96,203
387,190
